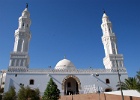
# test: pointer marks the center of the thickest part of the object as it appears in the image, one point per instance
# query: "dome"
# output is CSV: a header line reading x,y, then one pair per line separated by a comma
x,y
64,64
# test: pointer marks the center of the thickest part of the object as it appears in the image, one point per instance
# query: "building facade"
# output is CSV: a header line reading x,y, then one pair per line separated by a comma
x,y
68,79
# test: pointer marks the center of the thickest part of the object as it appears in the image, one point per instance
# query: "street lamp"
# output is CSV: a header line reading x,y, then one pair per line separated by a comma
x,y
98,85
119,79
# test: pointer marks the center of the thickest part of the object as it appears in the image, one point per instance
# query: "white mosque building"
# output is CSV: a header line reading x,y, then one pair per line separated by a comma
x,y
68,79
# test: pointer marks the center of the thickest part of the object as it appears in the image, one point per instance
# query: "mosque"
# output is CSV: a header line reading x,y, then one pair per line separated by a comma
x,y
68,79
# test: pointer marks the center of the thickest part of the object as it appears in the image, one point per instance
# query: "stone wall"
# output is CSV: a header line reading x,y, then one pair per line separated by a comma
x,y
96,97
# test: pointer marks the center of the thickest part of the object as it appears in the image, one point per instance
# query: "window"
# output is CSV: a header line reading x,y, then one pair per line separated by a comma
x,y
13,62
107,81
21,84
27,25
17,62
69,84
21,63
31,82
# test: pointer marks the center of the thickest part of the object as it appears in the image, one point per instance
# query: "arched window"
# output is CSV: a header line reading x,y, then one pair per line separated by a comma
x,y
20,43
21,63
13,62
17,62
22,24
107,81
31,82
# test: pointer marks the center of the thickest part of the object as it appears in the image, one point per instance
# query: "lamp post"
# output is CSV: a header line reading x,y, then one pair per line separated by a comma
x,y
98,85
119,79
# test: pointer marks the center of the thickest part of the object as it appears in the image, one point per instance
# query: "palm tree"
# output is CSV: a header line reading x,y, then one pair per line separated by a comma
x,y
138,78
129,84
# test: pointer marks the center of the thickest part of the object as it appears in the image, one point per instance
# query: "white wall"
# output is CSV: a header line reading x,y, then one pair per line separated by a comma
x,y
41,80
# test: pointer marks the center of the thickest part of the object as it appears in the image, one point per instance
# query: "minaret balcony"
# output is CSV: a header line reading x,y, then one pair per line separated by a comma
x,y
19,53
27,30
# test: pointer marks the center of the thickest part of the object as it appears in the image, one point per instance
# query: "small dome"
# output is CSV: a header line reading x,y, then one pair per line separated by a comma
x,y
64,64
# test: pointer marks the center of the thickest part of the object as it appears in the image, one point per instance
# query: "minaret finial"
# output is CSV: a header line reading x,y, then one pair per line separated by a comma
x,y
64,56
27,5
104,10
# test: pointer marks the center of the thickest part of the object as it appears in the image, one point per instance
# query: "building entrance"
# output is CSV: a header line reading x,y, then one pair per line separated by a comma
x,y
71,86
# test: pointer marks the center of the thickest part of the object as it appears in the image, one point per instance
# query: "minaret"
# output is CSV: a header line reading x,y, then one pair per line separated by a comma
x,y
19,59
112,59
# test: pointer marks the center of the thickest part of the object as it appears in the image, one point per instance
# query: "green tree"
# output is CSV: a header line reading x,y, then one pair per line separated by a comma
x,y
129,84
21,94
35,94
10,95
26,93
51,92
138,75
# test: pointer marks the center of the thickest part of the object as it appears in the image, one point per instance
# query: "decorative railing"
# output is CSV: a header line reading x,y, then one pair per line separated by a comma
x,y
61,71
19,53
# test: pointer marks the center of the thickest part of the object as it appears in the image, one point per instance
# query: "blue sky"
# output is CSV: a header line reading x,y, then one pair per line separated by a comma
x,y
72,28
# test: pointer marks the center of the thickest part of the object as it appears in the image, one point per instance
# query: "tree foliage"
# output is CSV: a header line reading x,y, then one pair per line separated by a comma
x,y
138,75
28,93
51,92
130,84
10,95
138,78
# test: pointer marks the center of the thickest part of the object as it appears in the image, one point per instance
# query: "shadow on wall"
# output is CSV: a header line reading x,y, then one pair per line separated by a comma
x,y
55,79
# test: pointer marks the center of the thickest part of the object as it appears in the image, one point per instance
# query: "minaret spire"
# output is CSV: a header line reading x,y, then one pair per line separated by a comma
x,y
110,45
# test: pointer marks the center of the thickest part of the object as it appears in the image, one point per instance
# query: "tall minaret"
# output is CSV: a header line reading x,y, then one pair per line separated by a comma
x,y
112,59
19,59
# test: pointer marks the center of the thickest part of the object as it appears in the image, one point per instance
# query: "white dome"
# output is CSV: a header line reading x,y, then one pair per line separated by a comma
x,y
64,64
